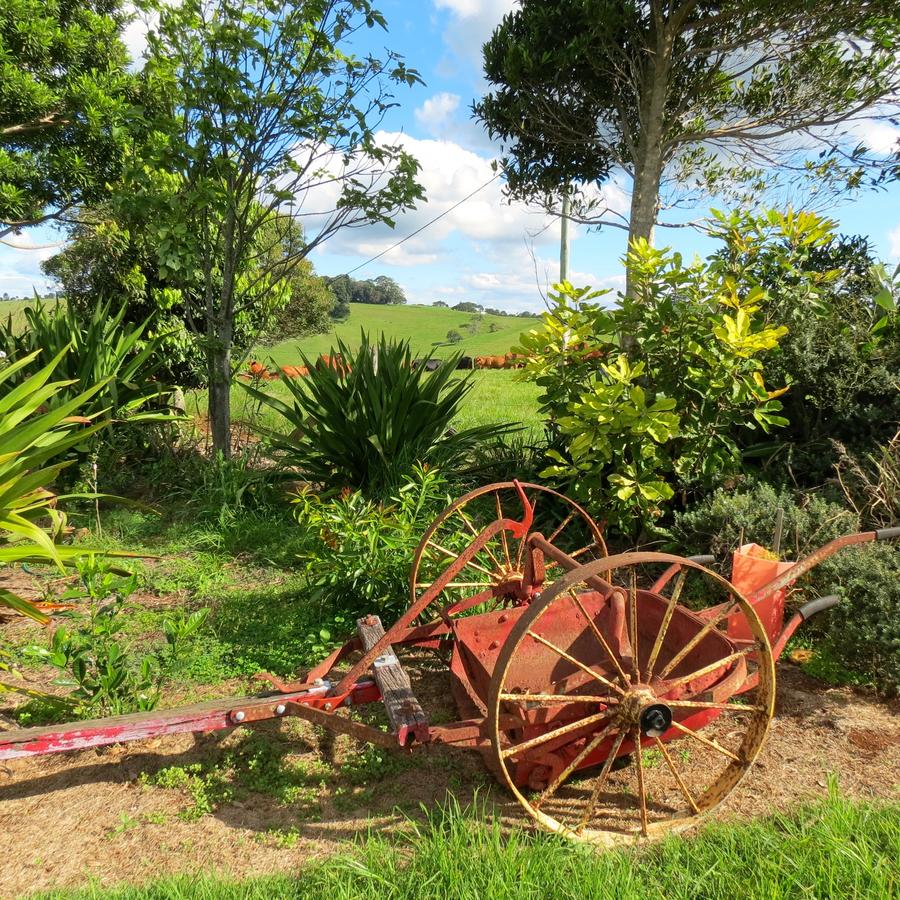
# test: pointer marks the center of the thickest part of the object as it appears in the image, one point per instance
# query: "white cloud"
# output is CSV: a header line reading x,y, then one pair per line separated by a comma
x,y
894,243
471,24
449,173
880,137
435,114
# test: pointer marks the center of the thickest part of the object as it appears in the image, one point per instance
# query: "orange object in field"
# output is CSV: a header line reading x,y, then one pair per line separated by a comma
x,y
752,567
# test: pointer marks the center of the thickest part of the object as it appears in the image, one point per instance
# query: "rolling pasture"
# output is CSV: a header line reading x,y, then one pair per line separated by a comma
x,y
423,326
497,396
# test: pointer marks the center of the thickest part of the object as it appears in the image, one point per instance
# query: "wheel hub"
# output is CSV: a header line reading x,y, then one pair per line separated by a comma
x,y
640,708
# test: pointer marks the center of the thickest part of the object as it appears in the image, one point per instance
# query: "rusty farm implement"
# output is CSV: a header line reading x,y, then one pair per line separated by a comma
x,y
617,697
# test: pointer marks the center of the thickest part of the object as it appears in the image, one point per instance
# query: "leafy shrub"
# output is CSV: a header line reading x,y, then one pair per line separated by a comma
x,y
647,398
106,676
863,632
841,355
366,419
358,552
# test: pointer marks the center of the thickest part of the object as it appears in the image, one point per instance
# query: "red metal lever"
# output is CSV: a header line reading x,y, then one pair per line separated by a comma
x,y
520,529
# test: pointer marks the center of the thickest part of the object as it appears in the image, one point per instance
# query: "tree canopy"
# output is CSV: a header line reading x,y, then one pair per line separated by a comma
x,y
686,99
66,100
270,122
381,290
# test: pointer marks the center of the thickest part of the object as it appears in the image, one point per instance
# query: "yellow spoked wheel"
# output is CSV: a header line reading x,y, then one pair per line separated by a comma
x,y
495,572
619,707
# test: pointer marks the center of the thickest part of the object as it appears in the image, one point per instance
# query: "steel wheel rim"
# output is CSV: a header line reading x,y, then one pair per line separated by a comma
x,y
757,717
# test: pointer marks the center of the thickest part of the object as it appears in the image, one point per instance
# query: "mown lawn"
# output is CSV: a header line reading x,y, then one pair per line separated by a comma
x,y
833,849
423,326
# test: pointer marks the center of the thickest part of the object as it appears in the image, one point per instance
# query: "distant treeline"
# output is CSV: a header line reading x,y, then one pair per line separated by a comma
x,y
381,290
470,307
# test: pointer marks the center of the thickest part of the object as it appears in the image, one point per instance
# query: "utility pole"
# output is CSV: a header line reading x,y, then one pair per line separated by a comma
x,y
564,240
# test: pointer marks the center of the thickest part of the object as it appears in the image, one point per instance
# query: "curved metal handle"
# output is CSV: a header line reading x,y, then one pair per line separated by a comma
x,y
808,610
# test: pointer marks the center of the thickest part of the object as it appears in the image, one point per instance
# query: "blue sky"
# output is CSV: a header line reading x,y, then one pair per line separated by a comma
x,y
485,250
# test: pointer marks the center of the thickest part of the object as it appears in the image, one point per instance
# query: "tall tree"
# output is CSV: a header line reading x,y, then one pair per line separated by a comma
x,y
66,98
687,98
272,119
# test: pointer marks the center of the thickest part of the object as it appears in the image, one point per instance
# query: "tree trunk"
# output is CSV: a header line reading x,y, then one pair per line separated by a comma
x,y
219,370
649,161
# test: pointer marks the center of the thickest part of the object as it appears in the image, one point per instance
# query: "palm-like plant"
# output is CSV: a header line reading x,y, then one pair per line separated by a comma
x,y
364,421
100,349
36,430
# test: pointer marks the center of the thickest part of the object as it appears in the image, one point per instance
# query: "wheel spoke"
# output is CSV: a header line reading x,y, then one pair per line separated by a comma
x,y
706,741
585,752
712,667
598,634
452,555
456,584
635,664
705,704
664,625
682,786
575,662
503,532
551,735
601,781
476,534
558,699
705,630
642,794
561,528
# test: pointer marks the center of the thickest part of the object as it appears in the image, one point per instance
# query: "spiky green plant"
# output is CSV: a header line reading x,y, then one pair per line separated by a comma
x,y
364,421
37,428
101,349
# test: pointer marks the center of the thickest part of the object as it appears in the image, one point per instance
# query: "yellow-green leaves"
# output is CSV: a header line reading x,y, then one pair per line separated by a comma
x,y
741,338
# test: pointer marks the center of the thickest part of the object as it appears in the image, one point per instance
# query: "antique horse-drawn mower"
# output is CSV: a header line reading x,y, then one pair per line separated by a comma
x,y
617,696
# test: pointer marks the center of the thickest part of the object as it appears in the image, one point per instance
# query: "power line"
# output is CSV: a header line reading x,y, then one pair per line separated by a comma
x,y
426,225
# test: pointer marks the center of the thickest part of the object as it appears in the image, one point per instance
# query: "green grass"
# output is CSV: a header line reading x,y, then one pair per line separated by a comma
x,y
836,848
498,396
423,326
15,309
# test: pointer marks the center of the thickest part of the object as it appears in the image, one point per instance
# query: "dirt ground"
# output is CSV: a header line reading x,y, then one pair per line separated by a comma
x,y
72,818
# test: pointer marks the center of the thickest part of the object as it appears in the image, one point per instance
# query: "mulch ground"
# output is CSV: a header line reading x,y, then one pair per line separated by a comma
x,y
86,816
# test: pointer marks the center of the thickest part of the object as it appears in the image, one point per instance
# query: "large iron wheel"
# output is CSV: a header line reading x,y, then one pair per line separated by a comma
x,y
496,571
615,661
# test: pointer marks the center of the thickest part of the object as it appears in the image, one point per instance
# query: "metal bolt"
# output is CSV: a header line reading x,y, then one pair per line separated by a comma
x,y
239,716
537,595
280,709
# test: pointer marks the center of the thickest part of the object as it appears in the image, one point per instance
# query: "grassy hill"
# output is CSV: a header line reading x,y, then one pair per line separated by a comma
x,y
424,326
15,309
